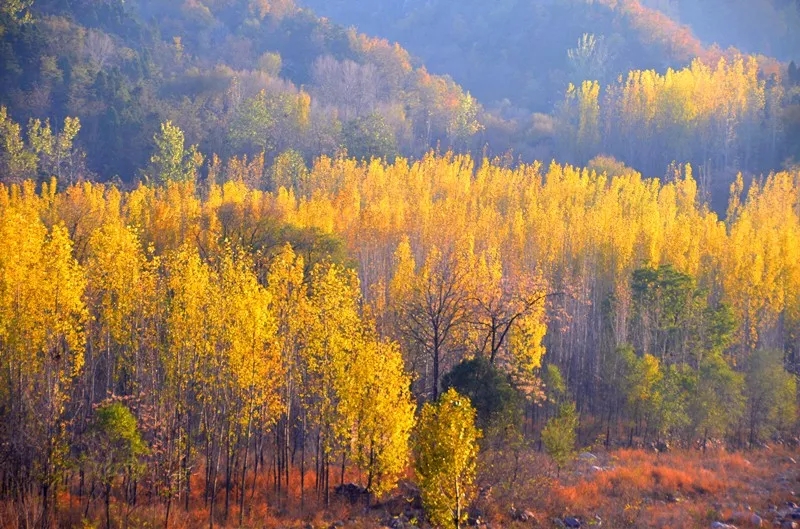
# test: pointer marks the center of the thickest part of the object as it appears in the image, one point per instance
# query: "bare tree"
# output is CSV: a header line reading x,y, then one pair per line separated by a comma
x,y
349,86
432,306
99,48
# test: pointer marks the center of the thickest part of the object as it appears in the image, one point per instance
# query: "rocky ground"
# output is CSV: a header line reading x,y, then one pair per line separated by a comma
x,y
625,488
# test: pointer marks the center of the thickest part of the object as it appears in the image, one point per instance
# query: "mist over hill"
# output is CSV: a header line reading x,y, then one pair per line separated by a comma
x,y
768,27
260,78
519,50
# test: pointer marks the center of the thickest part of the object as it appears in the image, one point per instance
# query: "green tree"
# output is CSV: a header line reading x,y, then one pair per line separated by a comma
x,y
716,399
17,8
17,162
589,59
116,447
446,456
555,386
664,301
464,124
14,13
370,136
172,162
670,411
496,401
289,171
254,123
771,395
270,63
56,151
642,383
580,116
559,437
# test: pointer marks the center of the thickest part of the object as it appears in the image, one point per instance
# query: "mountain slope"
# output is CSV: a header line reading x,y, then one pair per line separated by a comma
x,y
123,67
518,50
769,27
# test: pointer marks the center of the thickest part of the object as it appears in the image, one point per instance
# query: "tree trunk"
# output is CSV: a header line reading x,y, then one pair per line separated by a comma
x,y
108,505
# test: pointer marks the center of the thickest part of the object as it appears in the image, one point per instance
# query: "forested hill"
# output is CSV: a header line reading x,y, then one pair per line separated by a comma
x,y
275,83
771,27
525,44
244,77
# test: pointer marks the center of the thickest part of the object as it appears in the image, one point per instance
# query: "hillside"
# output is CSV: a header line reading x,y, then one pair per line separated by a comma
x,y
123,68
526,62
519,59
768,27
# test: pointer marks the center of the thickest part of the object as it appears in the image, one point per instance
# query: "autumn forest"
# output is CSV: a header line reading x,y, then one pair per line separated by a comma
x,y
261,269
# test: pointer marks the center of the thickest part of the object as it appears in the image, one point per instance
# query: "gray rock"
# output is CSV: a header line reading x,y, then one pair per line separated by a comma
x,y
351,491
587,456
747,517
720,525
522,515
572,523
672,498
788,524
661,447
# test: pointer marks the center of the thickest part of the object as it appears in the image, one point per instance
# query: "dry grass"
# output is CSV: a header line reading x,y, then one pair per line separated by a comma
x,y
635,488
680,489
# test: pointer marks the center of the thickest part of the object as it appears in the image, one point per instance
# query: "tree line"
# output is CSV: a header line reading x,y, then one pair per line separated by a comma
x,y
261,78
724,118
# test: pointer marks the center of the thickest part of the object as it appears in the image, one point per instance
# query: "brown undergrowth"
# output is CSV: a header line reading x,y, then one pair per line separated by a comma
x,y
621,488
681,489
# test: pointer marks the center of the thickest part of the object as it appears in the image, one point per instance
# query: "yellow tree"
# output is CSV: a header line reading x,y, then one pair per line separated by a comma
x,y
384,413
446,457
17,162
43,341
502,306
61,352
250,342
193,327
121,291
288,296
333,335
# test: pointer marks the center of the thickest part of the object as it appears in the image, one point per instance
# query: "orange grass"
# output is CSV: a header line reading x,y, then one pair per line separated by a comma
x,y
635,488
678,489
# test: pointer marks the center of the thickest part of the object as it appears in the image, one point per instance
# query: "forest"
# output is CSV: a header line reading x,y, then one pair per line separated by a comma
x,y
259,269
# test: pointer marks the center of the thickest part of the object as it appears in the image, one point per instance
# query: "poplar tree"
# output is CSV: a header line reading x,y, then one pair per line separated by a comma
x,y
446,455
